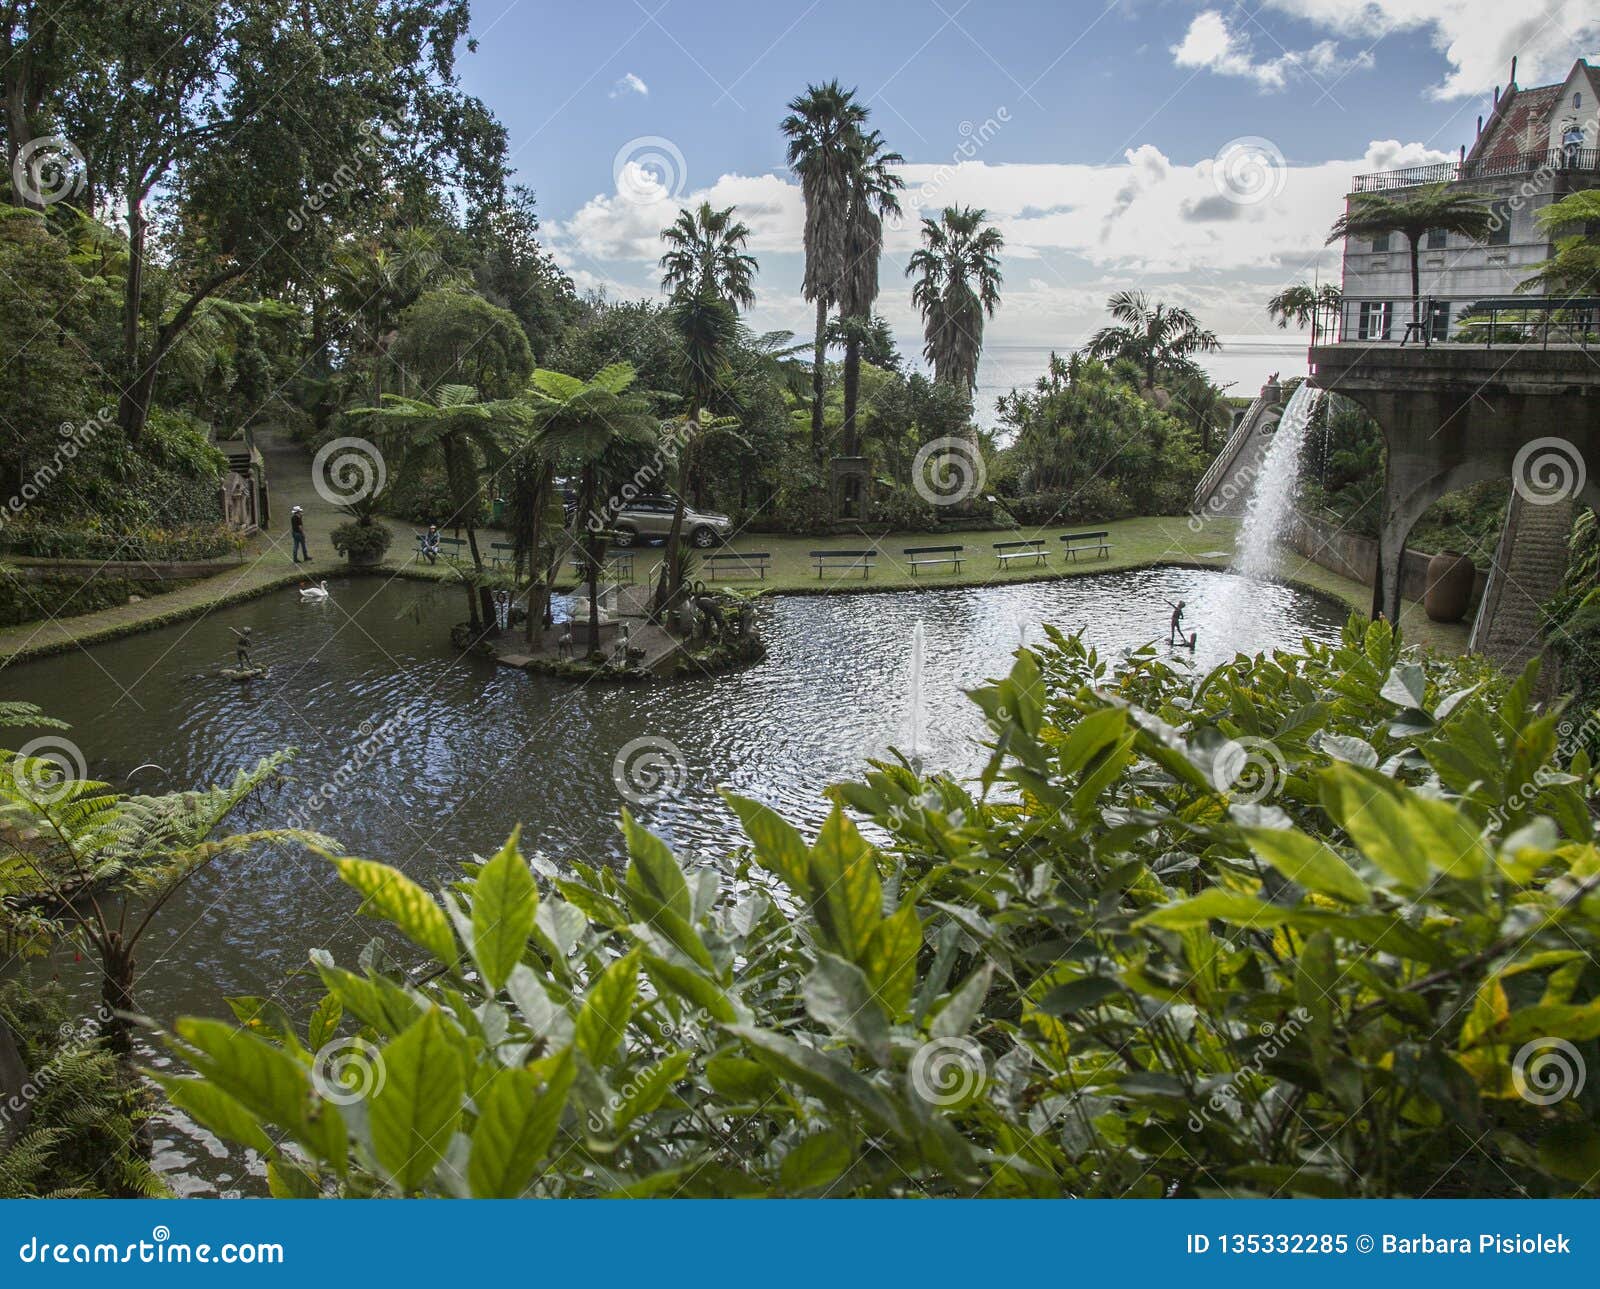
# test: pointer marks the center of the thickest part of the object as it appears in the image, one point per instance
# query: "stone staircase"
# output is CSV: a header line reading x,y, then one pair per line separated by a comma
x,y
1528,567
1227,485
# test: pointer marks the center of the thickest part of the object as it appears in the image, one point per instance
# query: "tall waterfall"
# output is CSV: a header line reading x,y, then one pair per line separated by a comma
x,y
1271,504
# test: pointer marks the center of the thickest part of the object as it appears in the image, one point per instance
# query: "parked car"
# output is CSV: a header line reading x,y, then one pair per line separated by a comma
x,y
650,518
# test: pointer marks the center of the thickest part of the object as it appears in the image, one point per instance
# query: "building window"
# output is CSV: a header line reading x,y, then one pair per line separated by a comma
x,y
1374,320
1436,239
1499,224
1380,242
1439,320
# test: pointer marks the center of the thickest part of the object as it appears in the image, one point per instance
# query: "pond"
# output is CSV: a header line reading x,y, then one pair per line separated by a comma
x,y
413,754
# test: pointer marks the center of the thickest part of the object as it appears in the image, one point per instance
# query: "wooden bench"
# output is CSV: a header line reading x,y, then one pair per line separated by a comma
x,y
844,561
501,553
928,556
618,566
740,561
1005,552
1101,547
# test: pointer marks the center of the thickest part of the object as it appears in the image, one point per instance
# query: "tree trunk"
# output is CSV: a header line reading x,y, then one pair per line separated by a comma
x,y
591,554
491,621
16,1103
819,362
671,580
116,994
17,131
535,564
852,394
132,301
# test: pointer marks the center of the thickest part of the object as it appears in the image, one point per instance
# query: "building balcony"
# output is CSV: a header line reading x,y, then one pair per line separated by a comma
x,y
1528,322
1552,161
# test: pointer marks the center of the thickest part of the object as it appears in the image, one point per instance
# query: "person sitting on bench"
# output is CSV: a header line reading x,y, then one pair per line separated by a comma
x,y
430,544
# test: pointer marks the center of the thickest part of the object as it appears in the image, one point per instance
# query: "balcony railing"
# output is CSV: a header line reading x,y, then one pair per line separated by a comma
x,y
1553,160
1499,321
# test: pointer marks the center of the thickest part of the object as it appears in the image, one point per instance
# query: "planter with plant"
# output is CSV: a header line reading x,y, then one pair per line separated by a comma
x,y
363,541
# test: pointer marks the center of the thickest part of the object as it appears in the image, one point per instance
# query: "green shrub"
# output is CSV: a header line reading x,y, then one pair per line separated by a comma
x,y
362,542
85,1118
191,542
1298,927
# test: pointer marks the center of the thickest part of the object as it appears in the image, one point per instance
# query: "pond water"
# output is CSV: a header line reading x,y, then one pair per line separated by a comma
x,y
431,756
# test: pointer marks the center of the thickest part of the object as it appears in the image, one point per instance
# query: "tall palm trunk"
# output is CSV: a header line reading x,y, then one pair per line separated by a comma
x,y
852,394
671,581
819,361
535,564
591,555
1415,242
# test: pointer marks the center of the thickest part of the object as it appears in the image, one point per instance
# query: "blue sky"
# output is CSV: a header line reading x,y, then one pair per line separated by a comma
x,y
1199,149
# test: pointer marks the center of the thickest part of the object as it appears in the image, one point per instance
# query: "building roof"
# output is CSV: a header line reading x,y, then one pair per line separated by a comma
x,y
1520,122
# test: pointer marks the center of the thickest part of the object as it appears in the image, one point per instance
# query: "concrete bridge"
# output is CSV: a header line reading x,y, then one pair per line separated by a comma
x,y
1458,413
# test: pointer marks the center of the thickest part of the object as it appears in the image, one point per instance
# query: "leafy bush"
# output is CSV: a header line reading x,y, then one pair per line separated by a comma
x,y
1316,924
1093,501
85,1117
191,542
362,542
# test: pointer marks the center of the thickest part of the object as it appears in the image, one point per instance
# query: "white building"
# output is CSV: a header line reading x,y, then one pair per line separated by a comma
x,y
1537,146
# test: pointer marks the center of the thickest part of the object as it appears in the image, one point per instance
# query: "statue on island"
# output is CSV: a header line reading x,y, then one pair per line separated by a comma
x,y
243,668
1176,637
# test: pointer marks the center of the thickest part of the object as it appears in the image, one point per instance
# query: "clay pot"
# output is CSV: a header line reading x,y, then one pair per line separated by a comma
x,y
1451,576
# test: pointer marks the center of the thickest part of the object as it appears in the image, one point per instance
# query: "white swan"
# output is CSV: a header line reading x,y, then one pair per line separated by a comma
x,y
317,592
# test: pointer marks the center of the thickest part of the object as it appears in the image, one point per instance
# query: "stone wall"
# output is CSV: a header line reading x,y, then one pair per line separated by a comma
x,y
1356,557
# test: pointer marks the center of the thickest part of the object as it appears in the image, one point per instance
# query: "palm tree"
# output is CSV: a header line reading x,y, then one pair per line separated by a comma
x,y
1575,266
100,865
707,330
584,423
1301,303
462,435
1156,336
822,127
374,283
873,189
707,255
1442,206
958,284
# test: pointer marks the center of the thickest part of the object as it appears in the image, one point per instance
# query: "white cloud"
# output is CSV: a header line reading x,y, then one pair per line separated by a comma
x,y
1073,233
1477,37
1212,45
628,83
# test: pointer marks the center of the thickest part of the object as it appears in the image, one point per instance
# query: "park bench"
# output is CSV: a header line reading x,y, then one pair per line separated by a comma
x,y
455,545
1005,552
618,566
844,561
739,561
929,556
1095,542
501,553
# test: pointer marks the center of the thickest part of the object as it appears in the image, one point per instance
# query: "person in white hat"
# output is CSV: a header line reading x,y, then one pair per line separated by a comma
x,y
297,528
